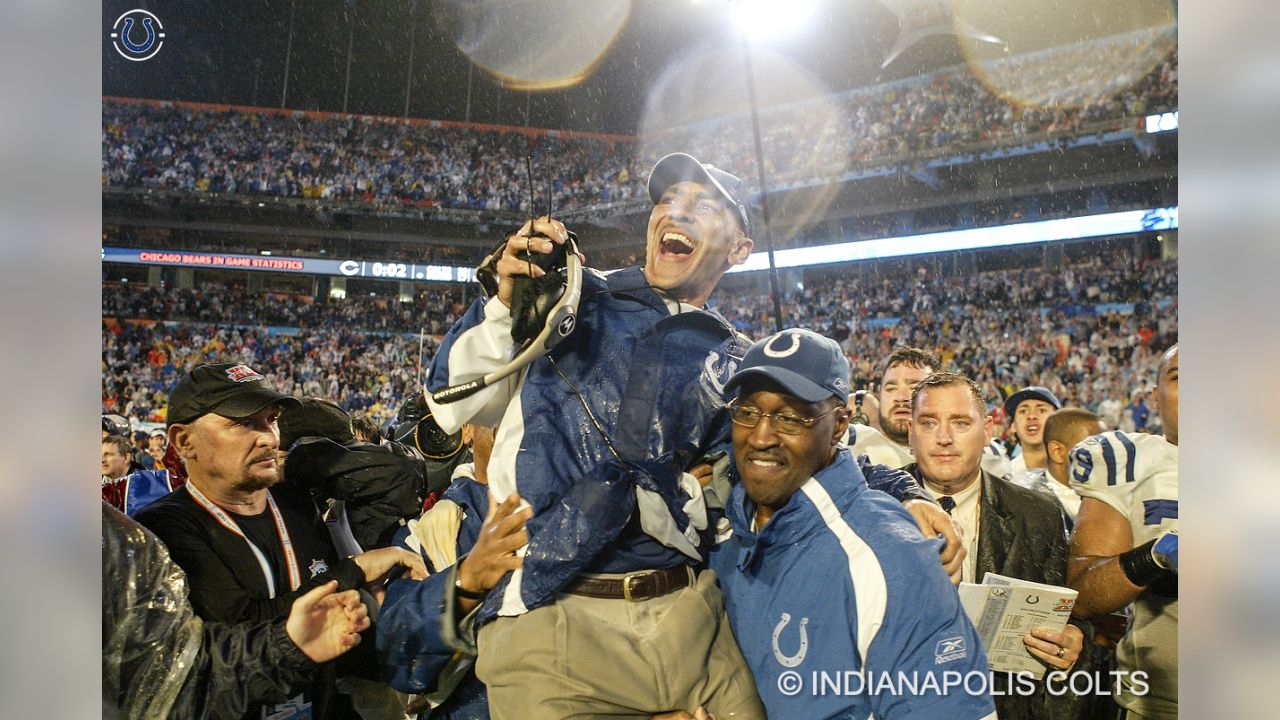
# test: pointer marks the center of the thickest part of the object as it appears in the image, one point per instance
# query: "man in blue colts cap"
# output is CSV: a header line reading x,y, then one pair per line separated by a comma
x,y
1028,409
838,603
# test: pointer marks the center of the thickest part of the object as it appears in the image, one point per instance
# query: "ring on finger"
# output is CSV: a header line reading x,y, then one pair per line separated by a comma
x,y
1062,652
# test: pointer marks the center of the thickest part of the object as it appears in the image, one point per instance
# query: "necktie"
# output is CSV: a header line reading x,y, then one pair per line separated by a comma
x,y
947,503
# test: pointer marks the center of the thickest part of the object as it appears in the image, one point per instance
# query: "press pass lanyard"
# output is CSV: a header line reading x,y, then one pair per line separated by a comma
x,y
295,577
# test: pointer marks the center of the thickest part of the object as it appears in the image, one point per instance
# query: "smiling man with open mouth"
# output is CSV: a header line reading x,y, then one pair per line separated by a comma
x,y
595,438
698,229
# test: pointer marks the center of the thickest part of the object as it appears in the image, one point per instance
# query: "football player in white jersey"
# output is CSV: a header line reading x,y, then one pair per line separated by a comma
x,y
1063,430
889,445
1125,548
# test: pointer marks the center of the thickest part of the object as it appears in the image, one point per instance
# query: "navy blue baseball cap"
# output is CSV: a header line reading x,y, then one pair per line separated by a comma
x,y
805,364
1031,392
681,167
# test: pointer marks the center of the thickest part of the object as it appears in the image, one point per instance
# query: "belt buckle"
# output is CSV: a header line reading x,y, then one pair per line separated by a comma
x,y
626,585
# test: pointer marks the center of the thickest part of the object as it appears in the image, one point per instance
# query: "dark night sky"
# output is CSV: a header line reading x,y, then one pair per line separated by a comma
x,y
211,49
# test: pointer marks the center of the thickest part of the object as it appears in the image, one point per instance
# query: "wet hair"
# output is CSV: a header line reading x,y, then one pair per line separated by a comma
x,y
911,357
947,379
123,444
1062,423
365,429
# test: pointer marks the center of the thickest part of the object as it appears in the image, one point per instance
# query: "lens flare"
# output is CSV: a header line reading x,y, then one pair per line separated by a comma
x,y
1060,55
700,105
534,44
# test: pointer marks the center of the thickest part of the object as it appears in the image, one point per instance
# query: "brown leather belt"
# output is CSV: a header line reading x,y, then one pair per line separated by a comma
x,y
634,587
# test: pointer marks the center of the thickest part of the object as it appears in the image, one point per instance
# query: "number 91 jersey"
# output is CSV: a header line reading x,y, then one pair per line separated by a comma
x,y
1135,473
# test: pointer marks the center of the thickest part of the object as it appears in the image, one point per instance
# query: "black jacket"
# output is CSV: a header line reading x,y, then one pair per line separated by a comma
x,y
382,485
226,580
160,660
227,584
1023,534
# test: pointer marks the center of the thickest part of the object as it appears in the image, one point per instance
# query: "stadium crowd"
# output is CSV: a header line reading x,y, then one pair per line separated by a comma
x,y
367,373
945,113
1090,333
387,162
433,310
261,476
1005,329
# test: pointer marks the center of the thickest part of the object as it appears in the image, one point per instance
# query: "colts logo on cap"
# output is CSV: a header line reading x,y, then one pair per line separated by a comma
x,y
773,352
242,373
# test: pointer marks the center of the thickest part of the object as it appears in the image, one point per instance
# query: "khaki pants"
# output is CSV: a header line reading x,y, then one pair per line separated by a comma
x,y
373,700
584,657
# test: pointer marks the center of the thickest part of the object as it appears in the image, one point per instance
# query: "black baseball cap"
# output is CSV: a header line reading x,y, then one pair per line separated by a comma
x,y
681,167
313,417
805,364
1031,392
232,390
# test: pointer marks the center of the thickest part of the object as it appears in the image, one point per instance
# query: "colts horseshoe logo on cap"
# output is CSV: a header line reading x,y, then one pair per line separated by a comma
x,y
772,352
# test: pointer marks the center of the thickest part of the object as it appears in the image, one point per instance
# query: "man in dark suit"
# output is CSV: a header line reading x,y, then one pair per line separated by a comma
x,y
1008,529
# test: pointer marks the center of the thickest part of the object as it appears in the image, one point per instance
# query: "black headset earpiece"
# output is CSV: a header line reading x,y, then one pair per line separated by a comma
x,y
550,310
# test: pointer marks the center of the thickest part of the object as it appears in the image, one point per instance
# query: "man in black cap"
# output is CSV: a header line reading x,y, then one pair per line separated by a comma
x,y
247,556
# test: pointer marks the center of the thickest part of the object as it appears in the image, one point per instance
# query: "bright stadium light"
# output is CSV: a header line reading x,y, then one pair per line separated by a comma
x,y
1075,228
1163,122
764,20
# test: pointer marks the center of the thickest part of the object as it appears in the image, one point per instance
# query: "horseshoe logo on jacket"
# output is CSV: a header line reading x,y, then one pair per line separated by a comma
x,y
713,376
791,661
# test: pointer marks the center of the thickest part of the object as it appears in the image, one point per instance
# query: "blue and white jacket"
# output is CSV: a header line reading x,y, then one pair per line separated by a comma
x,y
596,435
416,638
840,582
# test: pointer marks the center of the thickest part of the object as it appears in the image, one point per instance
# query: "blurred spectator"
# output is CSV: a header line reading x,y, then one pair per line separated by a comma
x,y
366,429
1138,411
141,443
117,455
157,443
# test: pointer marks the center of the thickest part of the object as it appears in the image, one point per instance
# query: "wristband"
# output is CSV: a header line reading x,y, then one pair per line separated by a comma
x,y
1140,567
468,594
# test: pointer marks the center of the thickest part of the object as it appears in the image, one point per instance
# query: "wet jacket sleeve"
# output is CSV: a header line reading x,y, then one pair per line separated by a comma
x,y
240,666
160,660
479,343
418,633
899,484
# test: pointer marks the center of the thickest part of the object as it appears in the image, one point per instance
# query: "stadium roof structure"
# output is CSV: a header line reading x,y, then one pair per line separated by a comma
x,y
234,52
